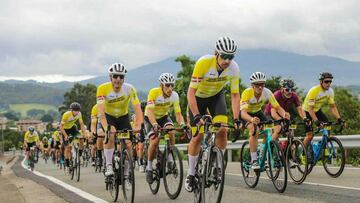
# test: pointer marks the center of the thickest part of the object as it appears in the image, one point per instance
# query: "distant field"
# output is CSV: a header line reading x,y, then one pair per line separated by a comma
x,y
23,108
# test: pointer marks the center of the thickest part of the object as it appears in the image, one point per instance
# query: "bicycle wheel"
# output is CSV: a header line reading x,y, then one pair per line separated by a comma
x,y
296,161
127,177
198,175
213,177
250,176
77,164
333,157
226,159
155,185
173,172
277,166
310,158
113,182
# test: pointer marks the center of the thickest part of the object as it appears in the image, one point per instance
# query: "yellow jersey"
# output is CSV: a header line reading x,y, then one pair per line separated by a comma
x,y
160,104
69,120
207,80
318,97
94,112
56,136
250,103
30,138
116,103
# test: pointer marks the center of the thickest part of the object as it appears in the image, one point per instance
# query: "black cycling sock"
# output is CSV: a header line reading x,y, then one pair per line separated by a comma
x,y
80,152
99,154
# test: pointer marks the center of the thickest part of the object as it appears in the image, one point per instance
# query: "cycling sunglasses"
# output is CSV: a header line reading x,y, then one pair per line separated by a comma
x,y
227,56
116,76
327,81
169,84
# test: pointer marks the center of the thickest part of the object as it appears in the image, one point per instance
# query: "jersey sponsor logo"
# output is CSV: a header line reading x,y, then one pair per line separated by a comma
x,y
196,79
150,102
163,104
219,79
119,99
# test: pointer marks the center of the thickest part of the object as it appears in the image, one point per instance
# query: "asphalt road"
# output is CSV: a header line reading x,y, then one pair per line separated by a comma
x,y
318,187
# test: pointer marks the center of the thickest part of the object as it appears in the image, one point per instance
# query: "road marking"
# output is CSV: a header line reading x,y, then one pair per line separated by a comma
x,y
67,186
308,183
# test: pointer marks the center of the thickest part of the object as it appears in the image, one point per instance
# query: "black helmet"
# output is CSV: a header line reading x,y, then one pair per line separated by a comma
x,y
287,83
324,75
75,106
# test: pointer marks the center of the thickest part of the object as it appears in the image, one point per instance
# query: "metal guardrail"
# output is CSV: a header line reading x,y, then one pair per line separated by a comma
x,y
348,142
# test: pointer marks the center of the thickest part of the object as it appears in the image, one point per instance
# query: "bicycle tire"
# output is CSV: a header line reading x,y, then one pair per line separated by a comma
x,y
126,156
251,180
174,171
277,162
330,151
293,149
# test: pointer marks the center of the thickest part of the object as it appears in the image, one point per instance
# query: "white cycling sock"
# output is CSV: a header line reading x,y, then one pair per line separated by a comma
x,y
108,156
192,164
149,165
253,156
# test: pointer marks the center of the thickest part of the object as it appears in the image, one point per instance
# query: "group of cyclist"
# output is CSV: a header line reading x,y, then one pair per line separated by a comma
x,y
205,95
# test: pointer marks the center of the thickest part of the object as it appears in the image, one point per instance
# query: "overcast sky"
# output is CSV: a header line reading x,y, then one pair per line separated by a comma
x,y
82,37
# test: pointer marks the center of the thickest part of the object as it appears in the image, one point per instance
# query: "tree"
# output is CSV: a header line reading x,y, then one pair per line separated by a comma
x,y
85,95
35,113
183,79
11,115
54,114
47,118
273,83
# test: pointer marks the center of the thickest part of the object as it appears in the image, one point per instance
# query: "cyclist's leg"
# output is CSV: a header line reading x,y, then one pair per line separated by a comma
x,y
277,128
110,147
309,131
100,144
167,123
154,141
195,143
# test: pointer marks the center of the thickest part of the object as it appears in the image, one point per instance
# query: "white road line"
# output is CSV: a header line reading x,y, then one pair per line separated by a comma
x,y
309,183
78,191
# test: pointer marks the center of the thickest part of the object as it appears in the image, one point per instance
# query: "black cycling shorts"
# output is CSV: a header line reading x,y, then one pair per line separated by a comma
x,y
163,122
29,145
73,131
320,116
260,114
120,123
216,106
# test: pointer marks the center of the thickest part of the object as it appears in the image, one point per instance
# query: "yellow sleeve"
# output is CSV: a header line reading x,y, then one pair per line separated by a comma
x,y
198,73
244,102
151,99
134,98
311,97
234,83
331,98
80,118
26,136
100,94
273,100
94,112
64,118
176,105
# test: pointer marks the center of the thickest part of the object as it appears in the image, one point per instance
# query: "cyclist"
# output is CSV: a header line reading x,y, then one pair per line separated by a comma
x,y
159,102
112,103
317,97
68,128
56,143
286,97
31,138
139,148
45,147
211,74
97,135
252,101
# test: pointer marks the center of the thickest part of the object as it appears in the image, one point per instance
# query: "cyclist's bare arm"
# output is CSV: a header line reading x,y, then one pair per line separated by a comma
x,y
334,111
192,101
179,118
139,117
235,104
312,113
301,111
101,115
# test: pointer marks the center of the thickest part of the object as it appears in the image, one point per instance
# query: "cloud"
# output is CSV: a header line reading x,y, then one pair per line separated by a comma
x,y
82,37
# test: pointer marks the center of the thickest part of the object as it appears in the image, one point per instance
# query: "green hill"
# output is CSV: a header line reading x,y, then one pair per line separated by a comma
x,y
23,108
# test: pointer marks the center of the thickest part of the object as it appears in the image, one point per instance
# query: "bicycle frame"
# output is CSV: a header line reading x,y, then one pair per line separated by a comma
x,y
266,149
324,140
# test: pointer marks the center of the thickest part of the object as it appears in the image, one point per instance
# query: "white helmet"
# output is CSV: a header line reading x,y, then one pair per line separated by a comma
x,y
225,45
257,77
117,69
167,78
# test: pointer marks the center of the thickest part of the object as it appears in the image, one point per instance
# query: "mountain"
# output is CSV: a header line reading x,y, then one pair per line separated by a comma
x,y
303,69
